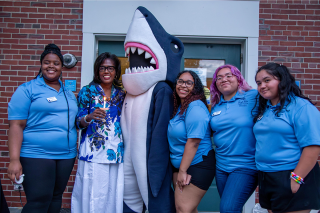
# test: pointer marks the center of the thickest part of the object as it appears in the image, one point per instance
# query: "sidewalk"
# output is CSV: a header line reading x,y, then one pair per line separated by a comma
x,y
19,209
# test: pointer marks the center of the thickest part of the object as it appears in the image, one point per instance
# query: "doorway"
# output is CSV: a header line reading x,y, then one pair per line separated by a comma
x,y
202,58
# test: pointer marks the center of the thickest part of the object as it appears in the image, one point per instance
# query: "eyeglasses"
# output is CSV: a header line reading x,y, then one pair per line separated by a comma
x,y
220,78
188,83
109,68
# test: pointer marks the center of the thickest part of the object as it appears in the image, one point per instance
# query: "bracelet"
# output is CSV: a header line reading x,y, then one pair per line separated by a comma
x,y
296,178
85,120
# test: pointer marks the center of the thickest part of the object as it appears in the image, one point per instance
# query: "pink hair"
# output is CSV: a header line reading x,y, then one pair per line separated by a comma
x,y
215,93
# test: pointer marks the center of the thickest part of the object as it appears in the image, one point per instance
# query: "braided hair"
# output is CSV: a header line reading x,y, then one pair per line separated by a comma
x,y
196,94
100,60
50,48
286,87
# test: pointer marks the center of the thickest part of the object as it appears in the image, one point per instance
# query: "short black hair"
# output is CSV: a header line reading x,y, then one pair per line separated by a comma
x,y
100,60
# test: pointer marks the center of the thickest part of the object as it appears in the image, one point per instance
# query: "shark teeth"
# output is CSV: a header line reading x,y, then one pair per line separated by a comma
x,y
147,55
138,69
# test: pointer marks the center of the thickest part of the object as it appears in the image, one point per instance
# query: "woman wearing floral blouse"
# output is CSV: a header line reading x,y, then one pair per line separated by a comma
x,y
99,181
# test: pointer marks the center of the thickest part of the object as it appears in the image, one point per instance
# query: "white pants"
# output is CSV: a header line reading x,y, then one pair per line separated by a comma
x,y
98,188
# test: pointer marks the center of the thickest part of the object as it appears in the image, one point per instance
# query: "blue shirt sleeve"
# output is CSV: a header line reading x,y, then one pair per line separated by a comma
x,y
197,121
83,106
307,125
18,107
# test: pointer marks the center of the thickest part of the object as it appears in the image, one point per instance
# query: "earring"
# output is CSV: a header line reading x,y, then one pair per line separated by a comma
x,y
60,76
40,74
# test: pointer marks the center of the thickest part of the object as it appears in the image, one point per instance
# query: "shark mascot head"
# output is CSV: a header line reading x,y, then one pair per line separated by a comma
x,y
155,58
154,55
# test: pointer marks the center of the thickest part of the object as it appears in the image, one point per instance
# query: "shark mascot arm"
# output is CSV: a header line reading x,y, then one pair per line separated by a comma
x,y
155,58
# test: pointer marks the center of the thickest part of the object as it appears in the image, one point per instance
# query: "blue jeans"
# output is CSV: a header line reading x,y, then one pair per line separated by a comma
x,y
235,188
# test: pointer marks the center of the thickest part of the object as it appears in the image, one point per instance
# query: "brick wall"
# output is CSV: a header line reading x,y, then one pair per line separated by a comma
x,y
290,34
25,28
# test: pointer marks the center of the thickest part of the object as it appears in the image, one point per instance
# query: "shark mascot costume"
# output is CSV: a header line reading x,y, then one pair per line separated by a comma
x,y
155,58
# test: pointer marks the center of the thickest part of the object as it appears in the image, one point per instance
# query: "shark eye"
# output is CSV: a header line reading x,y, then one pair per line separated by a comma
x,y
174,47
145,15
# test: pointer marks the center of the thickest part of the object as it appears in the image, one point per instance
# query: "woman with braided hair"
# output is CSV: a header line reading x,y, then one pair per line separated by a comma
x,y
42,135
191,150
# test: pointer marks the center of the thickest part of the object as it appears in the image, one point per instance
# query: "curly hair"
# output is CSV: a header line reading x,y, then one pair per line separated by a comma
x,y
216,94
196,94
100,60
286,88
50,48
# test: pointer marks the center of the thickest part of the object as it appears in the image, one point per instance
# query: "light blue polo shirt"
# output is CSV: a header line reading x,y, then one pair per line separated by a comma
x,y
45,134
194,123
232,123
280,140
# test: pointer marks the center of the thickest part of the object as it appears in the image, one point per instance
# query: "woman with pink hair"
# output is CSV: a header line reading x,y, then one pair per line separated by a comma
x,y
232,103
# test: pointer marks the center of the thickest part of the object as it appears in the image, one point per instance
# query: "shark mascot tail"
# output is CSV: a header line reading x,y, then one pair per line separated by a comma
x,y
155,58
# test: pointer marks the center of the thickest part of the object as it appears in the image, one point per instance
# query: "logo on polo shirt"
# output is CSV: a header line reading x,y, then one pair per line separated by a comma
x,y
243,102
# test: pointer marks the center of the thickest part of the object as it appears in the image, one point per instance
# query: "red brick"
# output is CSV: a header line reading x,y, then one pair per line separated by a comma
x,y
19,35
38,4
37,15
272,11
301,43
27,41
306,12
279,48
266,16
279,16
19,15
45,10
282,6
54,4
309,17
61,27
297,6
24,4
302,54
289,11
28,31
59,10
312,28
311,33
40,31
297,17
263,5
312,49
6,51
32,21
287,43
272,22
295,28
61,42
312,60
293,38
313,6
70,16
45,21
6,30
18,46
12,20
29,10
288,22
11,9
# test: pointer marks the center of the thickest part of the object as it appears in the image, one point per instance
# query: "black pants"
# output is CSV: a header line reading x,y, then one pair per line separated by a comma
x,y
44,183
3,204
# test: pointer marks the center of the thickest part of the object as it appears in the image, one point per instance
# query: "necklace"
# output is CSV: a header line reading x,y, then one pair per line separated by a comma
x,y
109,98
